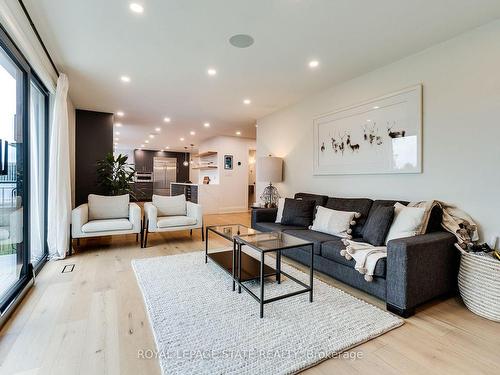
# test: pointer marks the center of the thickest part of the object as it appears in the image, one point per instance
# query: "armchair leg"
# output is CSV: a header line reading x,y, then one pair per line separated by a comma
x,y
142,232
202,234
137,237
77,242
191,232
146,231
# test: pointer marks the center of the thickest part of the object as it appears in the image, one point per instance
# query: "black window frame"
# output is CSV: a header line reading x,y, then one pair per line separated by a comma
x,y
27,271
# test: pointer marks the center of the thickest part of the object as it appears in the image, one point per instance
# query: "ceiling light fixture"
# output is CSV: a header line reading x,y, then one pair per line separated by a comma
x,y
151,136
238,133
206,124
181,139
167,147
211,72
146,141
118,124
247,101
136,8
166,119
125,79
192,132
376,107
313,64
120,114
158,129
117,133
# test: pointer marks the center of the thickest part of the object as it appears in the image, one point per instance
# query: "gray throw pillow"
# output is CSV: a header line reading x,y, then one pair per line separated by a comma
x,y
298,212
377,225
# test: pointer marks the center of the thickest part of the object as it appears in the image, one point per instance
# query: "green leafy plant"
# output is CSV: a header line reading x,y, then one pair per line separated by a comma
x,y
115,175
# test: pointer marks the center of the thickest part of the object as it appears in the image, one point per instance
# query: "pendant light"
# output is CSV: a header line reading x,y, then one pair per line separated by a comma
x,y
185,163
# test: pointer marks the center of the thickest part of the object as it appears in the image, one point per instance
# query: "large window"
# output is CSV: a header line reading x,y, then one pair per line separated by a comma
x,y
23,170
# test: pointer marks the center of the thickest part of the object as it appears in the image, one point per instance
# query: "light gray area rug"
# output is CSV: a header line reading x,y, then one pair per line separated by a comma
x,y
202,327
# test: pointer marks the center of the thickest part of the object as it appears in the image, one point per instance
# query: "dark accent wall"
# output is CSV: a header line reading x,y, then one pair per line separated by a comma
x,y
144,162
94,140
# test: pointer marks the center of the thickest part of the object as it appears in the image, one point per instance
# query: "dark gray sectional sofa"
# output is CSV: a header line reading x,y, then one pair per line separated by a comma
x,y
417,269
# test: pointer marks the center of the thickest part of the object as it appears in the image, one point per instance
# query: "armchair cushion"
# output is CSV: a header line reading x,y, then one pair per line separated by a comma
x,y
4,233
175,221
170,206
106,225
108,207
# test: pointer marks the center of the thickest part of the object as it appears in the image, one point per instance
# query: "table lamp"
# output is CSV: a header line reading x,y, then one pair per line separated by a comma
x,y
270,169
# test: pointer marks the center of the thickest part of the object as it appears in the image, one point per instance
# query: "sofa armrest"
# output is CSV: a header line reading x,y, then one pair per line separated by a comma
x,y
420,268
134,216
264,215
79,217
195,211
151,215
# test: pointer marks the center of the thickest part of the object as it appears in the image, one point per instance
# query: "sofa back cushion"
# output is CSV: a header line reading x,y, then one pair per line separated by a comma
x,y
102,207
360,205
320,200
170,206
298,212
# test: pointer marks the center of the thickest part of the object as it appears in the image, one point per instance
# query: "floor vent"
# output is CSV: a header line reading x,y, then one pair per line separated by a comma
x,y
68,268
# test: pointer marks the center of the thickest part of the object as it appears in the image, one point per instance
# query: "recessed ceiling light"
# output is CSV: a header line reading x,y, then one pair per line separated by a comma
x,y
206,124
142,145
146,141
211,72
117,133
247,101
376,107
313,64
192,132
241,40
256,125
181,139
158,129
238,133
136,8
120,114
151,136
167,119
167,147
125,79
118,124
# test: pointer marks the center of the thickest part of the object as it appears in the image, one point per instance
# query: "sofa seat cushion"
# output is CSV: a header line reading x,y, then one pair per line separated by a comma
x,y
175,221
106,225
360,205
331,250
4,233
317,238
275,227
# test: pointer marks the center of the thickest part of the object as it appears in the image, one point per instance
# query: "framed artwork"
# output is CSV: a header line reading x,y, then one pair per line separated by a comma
x,y
383,135
228,161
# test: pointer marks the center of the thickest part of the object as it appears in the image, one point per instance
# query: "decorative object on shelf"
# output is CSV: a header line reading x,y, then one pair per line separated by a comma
x,y
115,175
383,135
479,283
270,169
228,161
206,180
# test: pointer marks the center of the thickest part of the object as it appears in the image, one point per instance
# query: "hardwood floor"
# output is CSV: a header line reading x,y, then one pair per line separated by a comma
x,y
93,321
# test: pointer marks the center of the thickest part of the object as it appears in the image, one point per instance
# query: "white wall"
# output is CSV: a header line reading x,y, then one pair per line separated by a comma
x,y
231,194
461,129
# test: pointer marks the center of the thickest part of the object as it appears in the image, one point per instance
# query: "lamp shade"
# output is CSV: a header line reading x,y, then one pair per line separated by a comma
x,y
270,169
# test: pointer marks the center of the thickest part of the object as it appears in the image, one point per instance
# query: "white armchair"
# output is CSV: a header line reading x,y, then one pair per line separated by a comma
x,y
106,216
167,214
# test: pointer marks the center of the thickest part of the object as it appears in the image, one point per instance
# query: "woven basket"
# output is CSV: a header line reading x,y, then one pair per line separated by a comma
x,y
479,284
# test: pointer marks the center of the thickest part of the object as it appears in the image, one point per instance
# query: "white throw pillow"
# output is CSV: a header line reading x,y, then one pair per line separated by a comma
x,y
337,223
170,206
406,223
102,207
281,205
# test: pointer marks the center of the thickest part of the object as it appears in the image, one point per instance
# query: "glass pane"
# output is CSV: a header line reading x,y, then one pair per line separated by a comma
x,y
37,174
272,241
11,173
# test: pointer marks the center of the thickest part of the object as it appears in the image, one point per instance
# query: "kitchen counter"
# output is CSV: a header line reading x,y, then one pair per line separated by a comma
x,y
188,189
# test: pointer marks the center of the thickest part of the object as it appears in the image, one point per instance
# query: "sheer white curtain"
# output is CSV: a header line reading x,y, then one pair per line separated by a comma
x,y
59,194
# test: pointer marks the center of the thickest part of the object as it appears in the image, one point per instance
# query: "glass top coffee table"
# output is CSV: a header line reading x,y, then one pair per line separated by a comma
x,y
266,243
250,267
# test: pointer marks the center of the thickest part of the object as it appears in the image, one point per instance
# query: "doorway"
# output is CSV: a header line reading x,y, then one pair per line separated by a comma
x,y
251,177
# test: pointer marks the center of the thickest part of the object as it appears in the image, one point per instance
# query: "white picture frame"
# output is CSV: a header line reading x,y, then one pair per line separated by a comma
x,y
382,135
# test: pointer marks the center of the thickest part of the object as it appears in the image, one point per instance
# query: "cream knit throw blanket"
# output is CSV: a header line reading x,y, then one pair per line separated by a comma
x,y
454,221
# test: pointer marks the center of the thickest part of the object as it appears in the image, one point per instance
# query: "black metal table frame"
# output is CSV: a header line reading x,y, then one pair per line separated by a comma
x,y
260,299
210,228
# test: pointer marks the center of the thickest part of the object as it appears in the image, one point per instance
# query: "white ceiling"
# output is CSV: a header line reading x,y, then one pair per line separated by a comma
x,y
166,52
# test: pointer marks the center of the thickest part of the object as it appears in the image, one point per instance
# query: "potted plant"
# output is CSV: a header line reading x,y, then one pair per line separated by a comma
x,y
115,175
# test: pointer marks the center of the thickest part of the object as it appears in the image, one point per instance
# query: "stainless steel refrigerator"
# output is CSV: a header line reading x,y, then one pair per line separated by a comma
x,y
164,172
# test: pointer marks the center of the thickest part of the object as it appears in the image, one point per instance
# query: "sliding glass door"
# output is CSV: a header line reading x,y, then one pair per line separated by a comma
x,y
12,168
23,171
